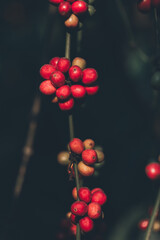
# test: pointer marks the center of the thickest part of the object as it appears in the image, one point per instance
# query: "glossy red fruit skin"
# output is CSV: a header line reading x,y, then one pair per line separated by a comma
x,y
63,65
76,146
58,79
74,218
75,73
73,229
89,76
92,90
79,208
47,88
94,210
86,224
143,224
156,3
99,197
95,190
54,61
79,7
64,9
66,106
89,156
46,71
152,170
78,91
63,92
84,194
144,5
56,1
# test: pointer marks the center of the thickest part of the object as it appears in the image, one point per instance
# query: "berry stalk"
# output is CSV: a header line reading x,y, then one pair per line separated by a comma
x,y
153,216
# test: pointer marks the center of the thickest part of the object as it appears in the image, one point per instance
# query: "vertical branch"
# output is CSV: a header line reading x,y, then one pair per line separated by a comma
x,y
151,222
71,129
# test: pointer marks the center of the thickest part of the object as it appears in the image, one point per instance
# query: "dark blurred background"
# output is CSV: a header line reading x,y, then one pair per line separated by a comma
x,y
122,117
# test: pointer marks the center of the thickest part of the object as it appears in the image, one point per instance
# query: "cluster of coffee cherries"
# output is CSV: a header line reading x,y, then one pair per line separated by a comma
x,y
68,82
146,5
87,208
72,10
86,156
152,170
143,224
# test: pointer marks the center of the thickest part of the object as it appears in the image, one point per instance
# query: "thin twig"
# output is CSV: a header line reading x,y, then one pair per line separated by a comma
x,y
151,222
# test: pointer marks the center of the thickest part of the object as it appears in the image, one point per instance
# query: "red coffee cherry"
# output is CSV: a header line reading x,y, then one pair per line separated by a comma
x,y
63,65
79,7
89,144
94,210
155,3
89,76
54,61
85,170
144,5
95,190
76,146
84,194
73,229
74,218
64,9
68,105
63,92
92,90
86,224
47,88
74,193
57,78
89,156
75,73
153,170
78,91
79,208
72,21
46,71
143,224
56,1
99,197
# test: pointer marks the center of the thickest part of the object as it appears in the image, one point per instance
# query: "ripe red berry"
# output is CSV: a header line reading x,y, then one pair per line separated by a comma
x,y
94,210
89,76
89,156
153,170
84,194
79,208
144,5
57,78
63,92
156,3
79,7
95,190
92,90
46,71
78,91
63,65
56,1
143,224
66,106
75,73
73,229
99,197
86,224
64,9
74,193
74,218
76,146
47,88
54,61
